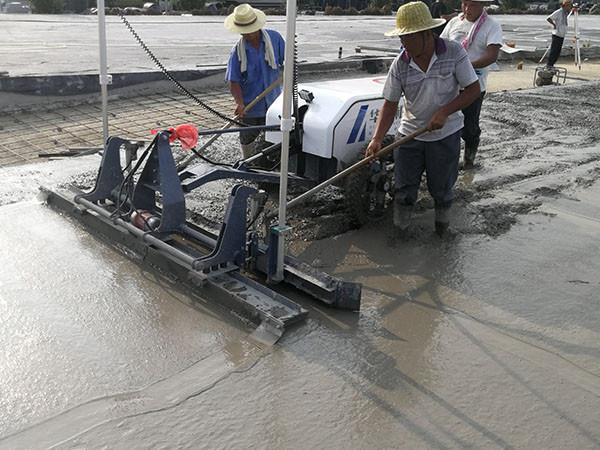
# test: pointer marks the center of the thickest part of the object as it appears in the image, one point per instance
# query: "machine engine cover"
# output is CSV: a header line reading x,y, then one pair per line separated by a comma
x,y
340,120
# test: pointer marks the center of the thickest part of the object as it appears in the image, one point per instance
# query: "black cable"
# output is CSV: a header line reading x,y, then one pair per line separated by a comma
x,y
295,91
170,77
258,213
208,160
128,179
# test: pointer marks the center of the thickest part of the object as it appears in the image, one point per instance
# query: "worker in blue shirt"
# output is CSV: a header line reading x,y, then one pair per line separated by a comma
x,y
254,63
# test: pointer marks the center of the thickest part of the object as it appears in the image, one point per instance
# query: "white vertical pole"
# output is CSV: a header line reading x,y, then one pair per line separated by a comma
x,y
577,51
104,78
287,125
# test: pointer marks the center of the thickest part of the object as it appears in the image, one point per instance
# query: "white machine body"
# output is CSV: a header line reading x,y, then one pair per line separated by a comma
x,y
339,121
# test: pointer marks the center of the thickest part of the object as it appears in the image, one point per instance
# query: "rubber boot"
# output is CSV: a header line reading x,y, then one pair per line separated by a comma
x,y
379,208
248,150
470,153
442,220
402,215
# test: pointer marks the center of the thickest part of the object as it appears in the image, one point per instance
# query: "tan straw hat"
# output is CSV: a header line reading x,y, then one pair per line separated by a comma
x,y
414,17
245,19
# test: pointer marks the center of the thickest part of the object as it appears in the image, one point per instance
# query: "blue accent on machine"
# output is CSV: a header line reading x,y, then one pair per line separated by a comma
x,y
360,117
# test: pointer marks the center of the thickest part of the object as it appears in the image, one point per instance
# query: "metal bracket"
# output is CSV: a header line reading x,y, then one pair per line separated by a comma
x,y
288,124
160,175
105,79
231,243
281,230
199,279
110,174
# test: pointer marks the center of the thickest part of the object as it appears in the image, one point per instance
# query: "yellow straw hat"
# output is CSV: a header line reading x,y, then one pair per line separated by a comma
x,y
245,19
414,17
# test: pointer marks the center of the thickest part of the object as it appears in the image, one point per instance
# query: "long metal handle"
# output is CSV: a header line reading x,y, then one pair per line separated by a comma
x,y
186,162
237,130
384,151
544,55
262,95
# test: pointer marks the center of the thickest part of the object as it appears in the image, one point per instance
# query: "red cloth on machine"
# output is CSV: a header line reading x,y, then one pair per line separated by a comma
x,y
186,133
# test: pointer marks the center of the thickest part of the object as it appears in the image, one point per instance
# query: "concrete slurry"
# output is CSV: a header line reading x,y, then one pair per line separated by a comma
x,y
487,339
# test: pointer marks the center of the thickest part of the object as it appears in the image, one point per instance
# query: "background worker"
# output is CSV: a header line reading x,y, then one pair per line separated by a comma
x,y
441,10
558,20
254,63
481,36
437,81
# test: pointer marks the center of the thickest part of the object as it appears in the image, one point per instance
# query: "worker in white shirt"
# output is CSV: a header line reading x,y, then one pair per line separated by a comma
x,y
481,36
558,20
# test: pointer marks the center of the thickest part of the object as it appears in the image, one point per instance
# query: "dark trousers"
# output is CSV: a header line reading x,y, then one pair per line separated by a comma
x,y
438,158
471,130
248,137
555,48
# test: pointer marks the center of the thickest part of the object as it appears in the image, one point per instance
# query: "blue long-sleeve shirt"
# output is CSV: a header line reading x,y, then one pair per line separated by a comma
x,y
259,75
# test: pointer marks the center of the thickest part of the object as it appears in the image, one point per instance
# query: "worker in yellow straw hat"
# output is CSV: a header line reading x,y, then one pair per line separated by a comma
x,y
437,81
254,63
481,36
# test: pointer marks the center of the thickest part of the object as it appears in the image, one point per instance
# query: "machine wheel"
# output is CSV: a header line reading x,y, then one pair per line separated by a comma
x,y
359,190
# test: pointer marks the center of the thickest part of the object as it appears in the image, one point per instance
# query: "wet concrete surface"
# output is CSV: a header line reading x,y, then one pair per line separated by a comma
x,y
46,44
80,321
488,338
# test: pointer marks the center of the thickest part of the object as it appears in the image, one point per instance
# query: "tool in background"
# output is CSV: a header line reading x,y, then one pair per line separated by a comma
x,y
188,159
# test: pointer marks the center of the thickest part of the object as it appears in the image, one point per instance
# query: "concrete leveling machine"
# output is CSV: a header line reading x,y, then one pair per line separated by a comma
x,y
138,203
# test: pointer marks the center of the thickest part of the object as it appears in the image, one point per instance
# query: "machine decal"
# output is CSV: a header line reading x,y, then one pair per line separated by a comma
x,y
358,124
